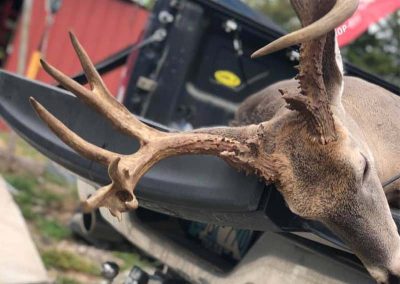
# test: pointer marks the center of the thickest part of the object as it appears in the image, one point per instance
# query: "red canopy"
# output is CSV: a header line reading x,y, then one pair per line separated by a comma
x,y
369,12
102,26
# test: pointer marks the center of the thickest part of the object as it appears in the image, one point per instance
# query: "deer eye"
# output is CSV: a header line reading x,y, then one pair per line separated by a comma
x,y
366,168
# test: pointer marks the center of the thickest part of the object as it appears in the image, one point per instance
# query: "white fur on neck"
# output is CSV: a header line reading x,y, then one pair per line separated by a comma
x,y
339,64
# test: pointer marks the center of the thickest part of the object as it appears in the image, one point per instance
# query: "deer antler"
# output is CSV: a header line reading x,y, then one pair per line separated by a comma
x,y
319,19
341,11
312,101
238,145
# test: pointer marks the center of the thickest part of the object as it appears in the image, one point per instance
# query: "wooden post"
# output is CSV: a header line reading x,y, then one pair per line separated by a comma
x,y
22,59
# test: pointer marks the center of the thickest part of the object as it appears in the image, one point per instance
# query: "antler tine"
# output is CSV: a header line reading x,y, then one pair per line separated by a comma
x,y
94,79
342,10
81,146
91,73
100,99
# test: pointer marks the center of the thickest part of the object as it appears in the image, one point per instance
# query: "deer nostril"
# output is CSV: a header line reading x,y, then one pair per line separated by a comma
x,y
124,196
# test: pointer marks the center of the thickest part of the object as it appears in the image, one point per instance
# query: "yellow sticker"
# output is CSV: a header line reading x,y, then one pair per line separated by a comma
x,y
227,78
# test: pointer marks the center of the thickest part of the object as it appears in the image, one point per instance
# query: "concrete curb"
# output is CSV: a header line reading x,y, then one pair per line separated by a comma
x,y
19,259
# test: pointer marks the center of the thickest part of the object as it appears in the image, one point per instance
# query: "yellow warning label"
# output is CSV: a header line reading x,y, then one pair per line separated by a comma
x,y
227,78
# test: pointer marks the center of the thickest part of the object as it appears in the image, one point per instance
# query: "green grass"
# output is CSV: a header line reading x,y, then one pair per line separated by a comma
x,y
52,229
67,261
23,148
31,193
55,179
66,280
130,259
26,197
34,198
24,183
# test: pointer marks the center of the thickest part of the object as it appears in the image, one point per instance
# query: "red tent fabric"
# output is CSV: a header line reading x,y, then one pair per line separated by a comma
x,y
102,26
368,12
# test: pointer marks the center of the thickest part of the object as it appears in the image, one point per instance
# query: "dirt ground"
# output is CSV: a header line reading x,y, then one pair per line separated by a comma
x,y
48,201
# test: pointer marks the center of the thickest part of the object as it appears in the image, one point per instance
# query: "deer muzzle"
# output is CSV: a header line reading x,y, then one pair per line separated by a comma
x,y
366,225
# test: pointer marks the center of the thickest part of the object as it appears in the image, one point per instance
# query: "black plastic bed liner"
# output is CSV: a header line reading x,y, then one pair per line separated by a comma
x,y
196,182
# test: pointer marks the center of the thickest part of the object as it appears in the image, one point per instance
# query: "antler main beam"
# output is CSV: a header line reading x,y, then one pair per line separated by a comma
x,y
238,145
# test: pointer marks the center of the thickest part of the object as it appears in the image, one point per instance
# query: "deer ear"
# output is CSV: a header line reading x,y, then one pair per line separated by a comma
x,y
332,69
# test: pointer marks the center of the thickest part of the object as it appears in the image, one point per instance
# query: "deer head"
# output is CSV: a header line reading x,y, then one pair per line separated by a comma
x,y
312,150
